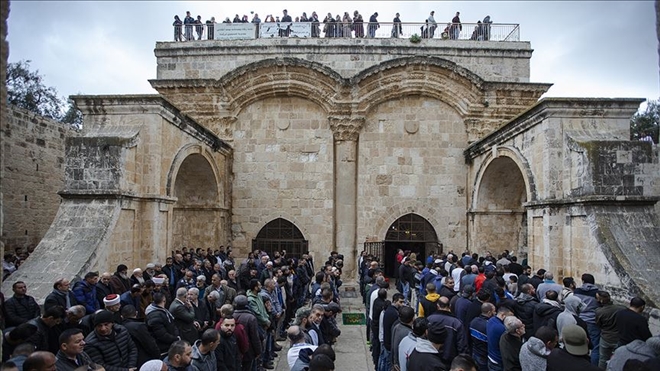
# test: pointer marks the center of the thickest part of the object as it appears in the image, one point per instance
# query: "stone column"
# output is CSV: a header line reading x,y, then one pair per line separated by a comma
x,y
346,132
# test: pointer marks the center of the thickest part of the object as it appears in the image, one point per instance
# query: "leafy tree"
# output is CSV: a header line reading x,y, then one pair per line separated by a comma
x,y
26,89
646,122
73,116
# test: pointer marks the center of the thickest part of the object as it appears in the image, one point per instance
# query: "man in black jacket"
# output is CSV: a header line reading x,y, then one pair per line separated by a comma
x,y
21,307
546,312
160,323
378,306
147,348
61,295
42,339
110,345
511,342
427,356
525,304
457,342
103,288
71,354
390,316
226,353
245,317
630,323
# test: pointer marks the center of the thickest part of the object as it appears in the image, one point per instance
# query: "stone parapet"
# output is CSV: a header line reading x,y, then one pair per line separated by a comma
x,y
492,61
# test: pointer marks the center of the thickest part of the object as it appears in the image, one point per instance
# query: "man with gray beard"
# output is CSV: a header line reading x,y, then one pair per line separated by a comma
x,y
119,281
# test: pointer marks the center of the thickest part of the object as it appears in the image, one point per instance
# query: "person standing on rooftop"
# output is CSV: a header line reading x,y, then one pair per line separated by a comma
x,y
188,22
432,24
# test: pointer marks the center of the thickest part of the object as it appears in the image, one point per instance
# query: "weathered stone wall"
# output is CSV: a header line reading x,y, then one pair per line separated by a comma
x,y
4,54
590,192
283,168
410,161
452,104
119,197
33,173
492,61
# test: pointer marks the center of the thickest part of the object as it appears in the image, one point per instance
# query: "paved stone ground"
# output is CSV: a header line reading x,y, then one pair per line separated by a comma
x,y
351,348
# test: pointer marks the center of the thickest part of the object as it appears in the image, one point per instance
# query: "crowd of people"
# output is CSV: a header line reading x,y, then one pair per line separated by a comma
x,y
493,314
201,310
11,261
333,26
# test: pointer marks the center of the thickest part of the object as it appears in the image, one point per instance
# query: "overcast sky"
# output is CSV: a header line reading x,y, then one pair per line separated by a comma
x,y
587,49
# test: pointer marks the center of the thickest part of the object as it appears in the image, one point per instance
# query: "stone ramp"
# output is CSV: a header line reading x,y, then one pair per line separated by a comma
x,y
74,243
351,349
629,236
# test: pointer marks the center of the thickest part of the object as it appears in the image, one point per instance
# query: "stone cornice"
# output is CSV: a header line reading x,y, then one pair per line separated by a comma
x,y
549,107
345,46
594,200
148,104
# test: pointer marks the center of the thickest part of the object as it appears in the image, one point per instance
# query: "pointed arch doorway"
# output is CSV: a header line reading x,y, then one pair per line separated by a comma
x,y
280,234
409,232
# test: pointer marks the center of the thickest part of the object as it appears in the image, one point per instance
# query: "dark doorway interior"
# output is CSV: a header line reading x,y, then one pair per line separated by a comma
x,y
280,234
409,232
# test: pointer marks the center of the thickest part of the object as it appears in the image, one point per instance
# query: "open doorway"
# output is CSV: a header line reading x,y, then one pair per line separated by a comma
x,y
409,232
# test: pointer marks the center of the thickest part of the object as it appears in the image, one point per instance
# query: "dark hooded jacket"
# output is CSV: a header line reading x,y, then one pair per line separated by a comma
x,y
425,357
524,310
249,322
161,326
545,314
587,293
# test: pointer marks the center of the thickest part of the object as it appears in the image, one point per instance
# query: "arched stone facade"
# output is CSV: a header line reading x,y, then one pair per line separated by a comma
x,y
497,217
342,138
429,108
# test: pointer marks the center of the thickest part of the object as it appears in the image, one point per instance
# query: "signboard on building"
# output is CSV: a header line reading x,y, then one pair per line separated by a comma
x,y
295,29
235,31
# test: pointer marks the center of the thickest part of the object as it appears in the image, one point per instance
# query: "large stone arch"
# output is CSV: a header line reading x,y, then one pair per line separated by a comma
x,y
518,159
497,216
184,153
426,76
282,77
197,213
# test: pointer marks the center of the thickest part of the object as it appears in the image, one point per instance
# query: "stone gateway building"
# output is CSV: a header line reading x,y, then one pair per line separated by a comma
x,y
346,144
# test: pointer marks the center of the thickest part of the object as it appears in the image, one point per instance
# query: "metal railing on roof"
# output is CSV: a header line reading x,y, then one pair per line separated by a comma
x,y
381,30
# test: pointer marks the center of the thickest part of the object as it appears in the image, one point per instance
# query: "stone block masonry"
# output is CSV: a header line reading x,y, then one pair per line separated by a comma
x,y
32,174
130,174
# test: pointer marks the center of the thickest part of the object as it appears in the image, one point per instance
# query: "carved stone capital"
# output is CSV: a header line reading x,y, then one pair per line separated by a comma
x,y
346,128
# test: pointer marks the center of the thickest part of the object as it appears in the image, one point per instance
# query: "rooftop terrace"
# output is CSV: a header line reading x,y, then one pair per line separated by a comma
x,y
237,31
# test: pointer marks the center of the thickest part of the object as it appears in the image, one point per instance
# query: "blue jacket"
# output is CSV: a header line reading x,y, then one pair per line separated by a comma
x,y
127,299
86,295
478,331
456,342
587,293
426,278
494,331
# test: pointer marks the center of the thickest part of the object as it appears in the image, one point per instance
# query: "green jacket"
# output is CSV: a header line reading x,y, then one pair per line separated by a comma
x,y
257,306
